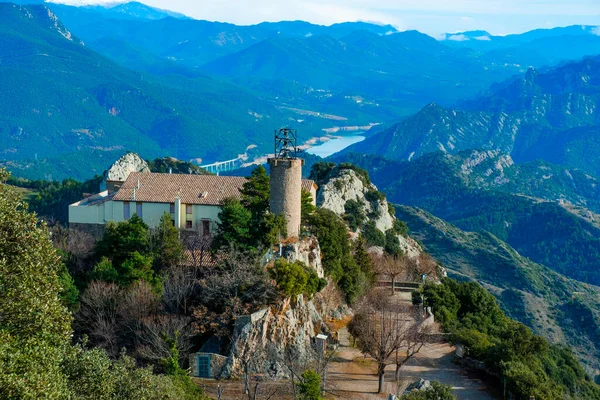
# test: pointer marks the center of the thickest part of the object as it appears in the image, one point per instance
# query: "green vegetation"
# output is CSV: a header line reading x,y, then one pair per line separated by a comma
x,y
437,391
246,223
392,243
355,216
373,235
528,292
529,365
338,260
295,278
307,207
310,386
37,359
51,199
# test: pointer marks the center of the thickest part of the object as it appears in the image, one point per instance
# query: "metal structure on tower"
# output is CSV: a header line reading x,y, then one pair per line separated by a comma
x,y
286,143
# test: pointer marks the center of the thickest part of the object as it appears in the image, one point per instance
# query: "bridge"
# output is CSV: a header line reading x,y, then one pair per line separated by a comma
x,y
223,166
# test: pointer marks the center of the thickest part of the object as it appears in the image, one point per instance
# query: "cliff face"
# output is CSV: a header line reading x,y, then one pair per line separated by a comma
x,y
121,169
348,185
262,339
306,251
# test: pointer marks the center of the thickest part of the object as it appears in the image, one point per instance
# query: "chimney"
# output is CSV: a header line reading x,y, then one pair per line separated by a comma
x,y
134,189
178,212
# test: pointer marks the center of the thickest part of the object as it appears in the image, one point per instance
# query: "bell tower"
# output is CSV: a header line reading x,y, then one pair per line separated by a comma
x,y
286,180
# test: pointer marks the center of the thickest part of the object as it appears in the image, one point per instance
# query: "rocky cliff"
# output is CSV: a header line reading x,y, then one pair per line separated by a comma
x,y
347,185
121,169
262,339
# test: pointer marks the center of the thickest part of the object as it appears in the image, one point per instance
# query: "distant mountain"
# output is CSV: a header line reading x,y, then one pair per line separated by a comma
x,y
136,10
560,309
66,110
552,115
546,212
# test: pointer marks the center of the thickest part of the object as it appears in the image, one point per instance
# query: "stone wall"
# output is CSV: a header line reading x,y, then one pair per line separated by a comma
x,y
286,191
217,362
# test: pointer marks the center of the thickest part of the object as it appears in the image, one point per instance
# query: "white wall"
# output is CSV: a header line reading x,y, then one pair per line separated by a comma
x,y
151,213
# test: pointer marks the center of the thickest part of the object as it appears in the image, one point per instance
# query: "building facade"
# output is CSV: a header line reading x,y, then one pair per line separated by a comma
x,y
192,201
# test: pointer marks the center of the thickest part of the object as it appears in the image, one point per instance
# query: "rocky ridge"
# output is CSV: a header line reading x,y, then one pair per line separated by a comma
x,y
348,185
120,170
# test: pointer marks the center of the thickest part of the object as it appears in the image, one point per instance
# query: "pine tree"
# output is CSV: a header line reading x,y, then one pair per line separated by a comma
x,y
168,251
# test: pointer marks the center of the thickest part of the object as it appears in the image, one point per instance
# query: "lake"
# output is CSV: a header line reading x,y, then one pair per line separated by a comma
x,y
335,145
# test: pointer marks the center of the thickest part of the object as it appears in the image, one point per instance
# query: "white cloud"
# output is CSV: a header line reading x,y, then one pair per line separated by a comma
x,y
596,30
431,16
458,38
483,38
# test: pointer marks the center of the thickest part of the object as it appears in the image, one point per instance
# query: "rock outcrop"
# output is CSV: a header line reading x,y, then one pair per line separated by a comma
x,y
347,185
120,170
261,340
307,251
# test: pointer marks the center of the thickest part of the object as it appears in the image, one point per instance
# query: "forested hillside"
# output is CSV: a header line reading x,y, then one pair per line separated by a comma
x,y
540,209
559,309
86,109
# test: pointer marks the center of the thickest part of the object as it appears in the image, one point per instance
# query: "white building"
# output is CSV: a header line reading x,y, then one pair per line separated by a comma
x,y
193,201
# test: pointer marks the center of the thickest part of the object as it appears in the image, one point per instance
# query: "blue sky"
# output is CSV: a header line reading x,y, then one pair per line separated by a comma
x,y
430,16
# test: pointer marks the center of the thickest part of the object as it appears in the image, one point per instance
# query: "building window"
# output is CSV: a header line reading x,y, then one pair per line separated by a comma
x,y
206,227
188,225
188,209
138,210
172,208
173,222
126,211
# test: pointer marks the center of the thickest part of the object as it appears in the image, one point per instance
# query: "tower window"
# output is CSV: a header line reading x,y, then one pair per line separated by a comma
x,y
138,209
188,209
126,210
172,208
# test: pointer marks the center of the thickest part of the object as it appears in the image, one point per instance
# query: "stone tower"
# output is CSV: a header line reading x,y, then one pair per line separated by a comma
x,y
286,181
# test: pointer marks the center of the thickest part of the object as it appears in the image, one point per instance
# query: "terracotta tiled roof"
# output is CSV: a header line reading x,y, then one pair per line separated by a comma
x,y
192,189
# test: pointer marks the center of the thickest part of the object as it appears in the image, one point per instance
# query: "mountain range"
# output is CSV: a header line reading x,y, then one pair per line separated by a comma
x,y
130,77
551,115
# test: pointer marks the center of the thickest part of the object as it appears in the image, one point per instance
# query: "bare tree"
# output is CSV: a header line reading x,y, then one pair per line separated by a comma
x,y
197,247
382,326
77,245
298,361
97,316
393,267
155,330
179,285
427,265
413,341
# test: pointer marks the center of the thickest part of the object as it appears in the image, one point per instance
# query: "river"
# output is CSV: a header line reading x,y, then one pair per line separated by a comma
x,y
335,145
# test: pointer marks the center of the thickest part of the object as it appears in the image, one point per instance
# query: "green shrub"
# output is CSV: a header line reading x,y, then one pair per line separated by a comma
x,y
437,391
310,386
392,243
400,228
295,278
373,235
374,196
355,216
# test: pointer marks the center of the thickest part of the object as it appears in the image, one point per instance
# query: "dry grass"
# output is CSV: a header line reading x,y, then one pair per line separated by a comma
x,y
335,325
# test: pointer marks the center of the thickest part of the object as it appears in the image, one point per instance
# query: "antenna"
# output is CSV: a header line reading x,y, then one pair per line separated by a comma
x,y
285,143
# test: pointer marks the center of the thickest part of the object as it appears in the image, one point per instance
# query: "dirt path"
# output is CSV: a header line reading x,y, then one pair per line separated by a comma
x,y
351,376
